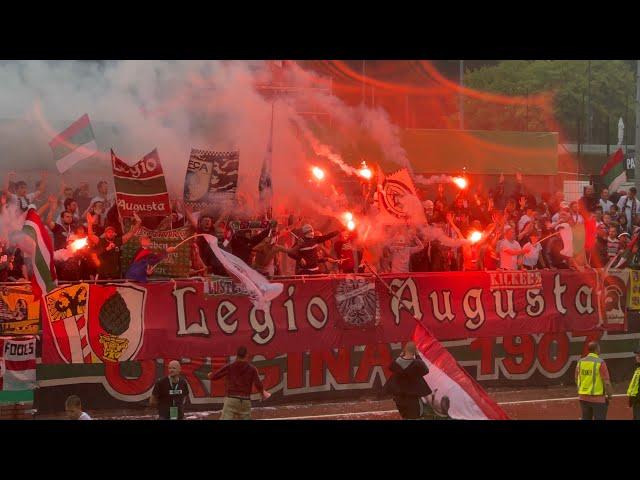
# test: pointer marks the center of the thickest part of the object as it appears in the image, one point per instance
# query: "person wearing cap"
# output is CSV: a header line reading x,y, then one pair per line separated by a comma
x,y
509,250
109,250
563,209
532,260
305,251
633,392
629,207
594,384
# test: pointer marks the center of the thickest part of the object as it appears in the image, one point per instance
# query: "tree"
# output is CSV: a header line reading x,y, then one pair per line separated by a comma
x,y
612,94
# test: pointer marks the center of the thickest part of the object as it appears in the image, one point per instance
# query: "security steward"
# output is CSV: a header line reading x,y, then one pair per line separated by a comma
x,y
632,391
594,384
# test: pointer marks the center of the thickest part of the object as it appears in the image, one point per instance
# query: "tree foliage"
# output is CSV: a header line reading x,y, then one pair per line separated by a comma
x,y
612,92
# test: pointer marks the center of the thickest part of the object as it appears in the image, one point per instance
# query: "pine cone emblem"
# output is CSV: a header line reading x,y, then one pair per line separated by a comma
x,y
114,315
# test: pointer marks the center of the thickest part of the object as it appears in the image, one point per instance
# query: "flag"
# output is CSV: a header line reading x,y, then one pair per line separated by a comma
x,y
623,258
211,179
613,172
17,368
467,399
397,198
74,144
43,278
261,291
264,185
141,188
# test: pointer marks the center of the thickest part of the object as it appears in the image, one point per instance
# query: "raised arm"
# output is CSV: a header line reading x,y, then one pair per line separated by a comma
x,y
133,230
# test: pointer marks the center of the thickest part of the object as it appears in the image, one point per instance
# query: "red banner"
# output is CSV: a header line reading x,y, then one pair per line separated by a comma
x,y
140,188
189,319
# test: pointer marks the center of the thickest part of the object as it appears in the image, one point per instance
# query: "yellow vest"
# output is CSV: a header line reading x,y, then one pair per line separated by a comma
x,y
589,379
635,383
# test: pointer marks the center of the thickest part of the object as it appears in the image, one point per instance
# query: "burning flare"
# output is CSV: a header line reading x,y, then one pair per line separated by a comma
x,y
475,237
460,182
351,225
318,173
364,171
78,244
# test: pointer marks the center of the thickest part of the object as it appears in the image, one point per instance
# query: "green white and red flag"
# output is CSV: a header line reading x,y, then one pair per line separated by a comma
x,y
43,278
74,144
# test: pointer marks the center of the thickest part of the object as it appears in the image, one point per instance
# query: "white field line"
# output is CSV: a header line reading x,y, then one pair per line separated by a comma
x,y
382,412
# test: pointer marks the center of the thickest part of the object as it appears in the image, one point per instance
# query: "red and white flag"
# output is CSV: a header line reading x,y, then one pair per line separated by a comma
x,y
43,279
17,363
467,399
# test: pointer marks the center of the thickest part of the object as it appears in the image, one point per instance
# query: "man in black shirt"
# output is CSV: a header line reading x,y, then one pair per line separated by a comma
x,y
407,384
109,251
61,231
170,394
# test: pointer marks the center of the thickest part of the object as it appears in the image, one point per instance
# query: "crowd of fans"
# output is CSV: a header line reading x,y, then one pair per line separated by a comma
x,y
514,230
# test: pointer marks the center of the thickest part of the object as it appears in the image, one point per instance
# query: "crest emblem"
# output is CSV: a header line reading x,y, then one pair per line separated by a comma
x,y
358,303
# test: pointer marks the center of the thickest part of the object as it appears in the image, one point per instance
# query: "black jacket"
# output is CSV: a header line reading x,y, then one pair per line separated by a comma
x,y
242,246
407,378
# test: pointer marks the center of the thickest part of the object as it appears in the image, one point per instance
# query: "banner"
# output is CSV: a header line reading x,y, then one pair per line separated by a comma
x,y
613,299
177,264
394,194
511,362
93,324
634,290
195,319
19,311
17,369
211,179
140,188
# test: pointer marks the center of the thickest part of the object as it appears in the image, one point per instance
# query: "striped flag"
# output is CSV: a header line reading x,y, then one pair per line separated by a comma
x,y
43,278
467,399
264,185
74,144
17,368
613,172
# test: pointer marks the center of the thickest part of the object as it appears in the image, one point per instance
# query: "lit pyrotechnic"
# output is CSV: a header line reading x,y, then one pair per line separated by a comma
x,y
475,236
461,182
318,173
365,172
349,221
78,244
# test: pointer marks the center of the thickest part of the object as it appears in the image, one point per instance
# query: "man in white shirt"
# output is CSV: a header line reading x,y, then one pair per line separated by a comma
x,y
575,214
401,252
509,249
629,206
21,198
605,203
73,408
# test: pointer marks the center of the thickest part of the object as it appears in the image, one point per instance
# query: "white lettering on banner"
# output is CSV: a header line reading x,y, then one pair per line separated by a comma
x,y
313,321
148,165
475,314
558,290
291,312
139,207
510,312
584,307
535,303
194,328
260,328
412,305
197,165
230,309
435,303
